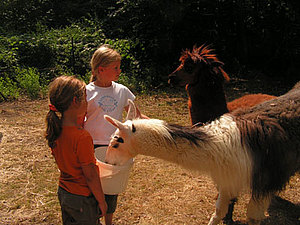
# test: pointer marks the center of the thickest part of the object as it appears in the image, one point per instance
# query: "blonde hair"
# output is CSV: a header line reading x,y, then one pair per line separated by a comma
x,y
103,56
61,94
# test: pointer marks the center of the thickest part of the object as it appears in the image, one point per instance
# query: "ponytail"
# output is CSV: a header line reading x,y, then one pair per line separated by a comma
x,y
53,128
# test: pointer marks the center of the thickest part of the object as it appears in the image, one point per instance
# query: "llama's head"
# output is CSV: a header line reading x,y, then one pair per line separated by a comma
x,y
138,136
119,150
199,66
134,136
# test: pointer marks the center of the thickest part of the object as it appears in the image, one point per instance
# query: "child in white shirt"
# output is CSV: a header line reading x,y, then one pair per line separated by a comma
x,y
106,97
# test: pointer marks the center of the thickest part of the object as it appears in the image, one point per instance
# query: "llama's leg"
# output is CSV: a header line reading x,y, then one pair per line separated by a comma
x,y
228,218
256,210
221,208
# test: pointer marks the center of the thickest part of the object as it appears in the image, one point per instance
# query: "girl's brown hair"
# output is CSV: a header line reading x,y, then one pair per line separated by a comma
x,y
103,56
61,94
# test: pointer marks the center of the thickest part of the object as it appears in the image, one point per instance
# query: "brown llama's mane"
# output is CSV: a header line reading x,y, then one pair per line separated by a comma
x,y
203,54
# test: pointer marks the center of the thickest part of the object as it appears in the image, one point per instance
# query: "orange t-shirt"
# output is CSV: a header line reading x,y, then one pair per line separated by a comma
x,y
74,149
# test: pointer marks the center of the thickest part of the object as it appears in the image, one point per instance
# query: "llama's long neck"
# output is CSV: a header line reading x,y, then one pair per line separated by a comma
x,y
206,103
192,148
182,152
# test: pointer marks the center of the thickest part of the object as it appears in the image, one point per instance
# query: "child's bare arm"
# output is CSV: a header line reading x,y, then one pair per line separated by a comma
x,y
94,183
142,116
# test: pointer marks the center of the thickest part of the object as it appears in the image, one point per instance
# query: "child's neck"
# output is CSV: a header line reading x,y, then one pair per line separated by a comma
x,y
100,83
70,118
69,122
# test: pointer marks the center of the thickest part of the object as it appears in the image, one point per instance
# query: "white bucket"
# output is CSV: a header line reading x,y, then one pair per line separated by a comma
x,y
114,179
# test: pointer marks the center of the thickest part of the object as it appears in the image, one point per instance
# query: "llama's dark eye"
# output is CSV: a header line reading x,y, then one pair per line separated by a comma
x,y
188,67
115,145
119,139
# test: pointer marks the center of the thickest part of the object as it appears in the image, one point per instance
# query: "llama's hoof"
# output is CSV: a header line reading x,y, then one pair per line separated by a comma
x,y
228,218
228,221
253,222
214,220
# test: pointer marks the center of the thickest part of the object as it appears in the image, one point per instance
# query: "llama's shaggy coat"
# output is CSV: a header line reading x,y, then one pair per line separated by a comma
x,y
272,131
257,149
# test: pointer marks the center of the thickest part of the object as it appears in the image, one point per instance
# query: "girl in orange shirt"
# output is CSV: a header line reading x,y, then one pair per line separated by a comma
x,y
80,193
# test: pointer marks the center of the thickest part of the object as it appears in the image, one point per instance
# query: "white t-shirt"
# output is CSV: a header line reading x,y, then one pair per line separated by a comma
x,y
105,101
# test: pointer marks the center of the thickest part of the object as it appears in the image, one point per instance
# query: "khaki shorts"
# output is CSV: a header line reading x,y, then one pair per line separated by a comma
x,y
77,209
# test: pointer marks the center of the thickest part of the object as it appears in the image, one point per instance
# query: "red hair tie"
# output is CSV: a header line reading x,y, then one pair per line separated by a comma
x,y
52,108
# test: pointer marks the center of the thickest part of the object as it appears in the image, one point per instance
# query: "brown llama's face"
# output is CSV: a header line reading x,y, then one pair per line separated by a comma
x,y
186,73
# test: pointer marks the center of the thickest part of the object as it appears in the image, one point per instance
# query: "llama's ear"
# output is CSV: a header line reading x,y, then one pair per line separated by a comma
x,y
132,111
114,122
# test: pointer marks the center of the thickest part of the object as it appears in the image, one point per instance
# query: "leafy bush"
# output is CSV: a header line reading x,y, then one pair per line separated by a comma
x,y
8,89
28,80
8,53
38,53
67,51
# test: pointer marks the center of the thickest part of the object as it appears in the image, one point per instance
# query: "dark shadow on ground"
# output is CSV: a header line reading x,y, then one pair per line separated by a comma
x,y
281,212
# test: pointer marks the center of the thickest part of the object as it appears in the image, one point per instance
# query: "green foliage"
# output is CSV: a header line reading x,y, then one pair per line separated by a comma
x,y
19,16
28,81
34,52
22,16
8,89
53,52
8,53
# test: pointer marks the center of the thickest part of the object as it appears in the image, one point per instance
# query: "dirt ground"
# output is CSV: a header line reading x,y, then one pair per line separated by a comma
x,y
158,192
